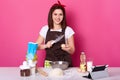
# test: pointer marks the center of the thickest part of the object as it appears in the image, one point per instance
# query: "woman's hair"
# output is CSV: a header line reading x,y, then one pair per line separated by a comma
x,y
50,21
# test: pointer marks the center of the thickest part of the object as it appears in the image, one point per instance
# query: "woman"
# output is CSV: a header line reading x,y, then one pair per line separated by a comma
x,y
61,50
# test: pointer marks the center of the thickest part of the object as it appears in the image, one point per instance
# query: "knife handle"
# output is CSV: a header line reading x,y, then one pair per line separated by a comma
x,y
53,42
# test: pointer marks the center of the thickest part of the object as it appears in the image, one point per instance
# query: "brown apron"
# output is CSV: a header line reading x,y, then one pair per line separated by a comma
x,y
55,53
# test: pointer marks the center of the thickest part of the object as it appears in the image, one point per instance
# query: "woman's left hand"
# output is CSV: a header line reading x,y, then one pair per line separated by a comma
x,y
65,47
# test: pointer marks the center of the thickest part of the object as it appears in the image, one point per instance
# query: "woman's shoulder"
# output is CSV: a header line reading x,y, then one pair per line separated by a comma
x,y
69,32
44,30
68,28
45,27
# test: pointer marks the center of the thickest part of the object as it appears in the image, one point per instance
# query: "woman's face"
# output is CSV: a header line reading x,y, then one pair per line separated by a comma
x,y
57,16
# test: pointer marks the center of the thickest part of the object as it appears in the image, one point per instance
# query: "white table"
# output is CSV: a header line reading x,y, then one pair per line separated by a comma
x,y
13,73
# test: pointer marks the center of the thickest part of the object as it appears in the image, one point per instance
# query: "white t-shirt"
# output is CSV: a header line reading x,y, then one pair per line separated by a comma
x,y
68,31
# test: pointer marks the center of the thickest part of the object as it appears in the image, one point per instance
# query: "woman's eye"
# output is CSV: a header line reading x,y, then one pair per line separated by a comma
x,y
55,14
61,14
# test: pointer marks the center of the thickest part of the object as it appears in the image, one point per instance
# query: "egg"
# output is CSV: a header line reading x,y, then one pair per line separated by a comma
x,y
63,45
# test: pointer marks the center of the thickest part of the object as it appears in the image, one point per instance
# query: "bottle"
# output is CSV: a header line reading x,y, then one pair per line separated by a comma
x,y
83,62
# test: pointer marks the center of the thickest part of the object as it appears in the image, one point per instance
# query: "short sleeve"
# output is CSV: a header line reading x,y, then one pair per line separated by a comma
x,y
69,32
43,31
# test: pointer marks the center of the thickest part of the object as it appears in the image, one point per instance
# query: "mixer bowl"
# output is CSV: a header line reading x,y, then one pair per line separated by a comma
x,y
59,64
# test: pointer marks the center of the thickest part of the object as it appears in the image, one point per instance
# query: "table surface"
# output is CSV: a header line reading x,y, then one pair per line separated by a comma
x,y
13,73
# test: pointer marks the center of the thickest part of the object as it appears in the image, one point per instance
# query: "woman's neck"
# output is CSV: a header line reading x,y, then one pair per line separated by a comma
x,y
56,27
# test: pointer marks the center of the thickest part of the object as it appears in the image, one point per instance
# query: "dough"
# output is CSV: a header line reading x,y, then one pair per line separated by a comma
x,y
56,72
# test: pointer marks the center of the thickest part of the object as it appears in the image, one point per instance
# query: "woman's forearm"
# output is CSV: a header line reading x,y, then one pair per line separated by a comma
x,y
71,50
42,46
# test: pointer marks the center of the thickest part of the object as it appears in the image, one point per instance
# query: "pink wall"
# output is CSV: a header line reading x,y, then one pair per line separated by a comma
x,y
96,23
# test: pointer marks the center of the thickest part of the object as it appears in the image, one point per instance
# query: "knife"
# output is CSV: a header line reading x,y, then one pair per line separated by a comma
x,y
57,39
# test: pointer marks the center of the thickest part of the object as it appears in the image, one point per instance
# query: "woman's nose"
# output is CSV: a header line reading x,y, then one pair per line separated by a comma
x,y
58,16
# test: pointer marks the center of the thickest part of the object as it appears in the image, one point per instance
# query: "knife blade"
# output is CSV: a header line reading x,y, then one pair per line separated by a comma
x,y
57,39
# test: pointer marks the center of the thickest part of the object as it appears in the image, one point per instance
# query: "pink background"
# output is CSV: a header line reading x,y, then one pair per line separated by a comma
x,y
96,23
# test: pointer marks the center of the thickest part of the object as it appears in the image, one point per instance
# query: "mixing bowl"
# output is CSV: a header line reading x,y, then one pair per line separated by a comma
x,y
59,64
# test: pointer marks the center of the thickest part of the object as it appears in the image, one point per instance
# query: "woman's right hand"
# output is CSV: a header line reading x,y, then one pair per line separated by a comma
x,y
48,44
